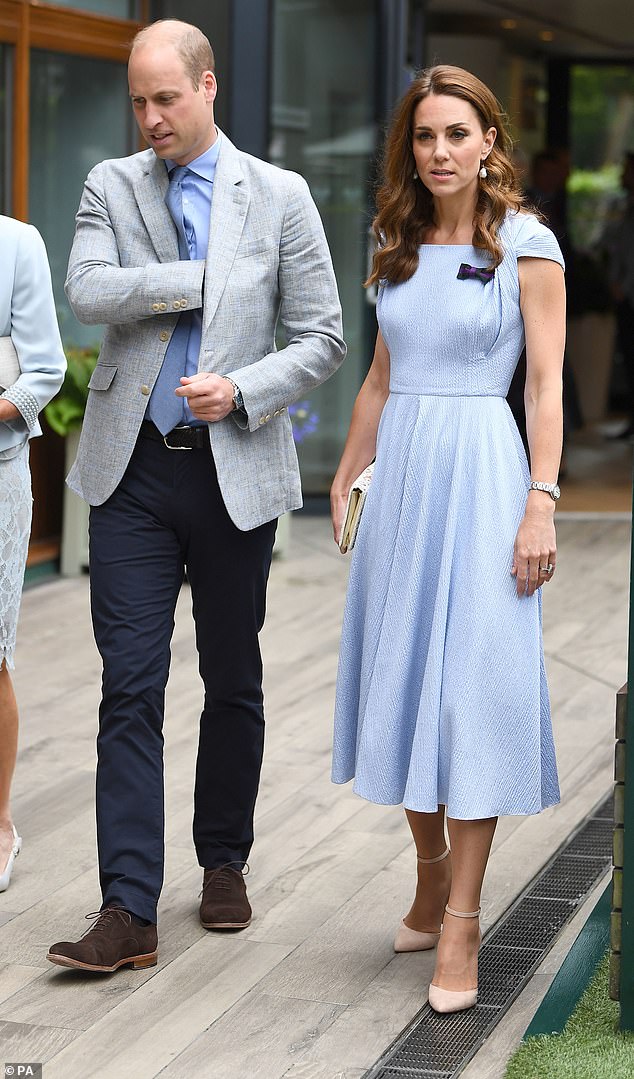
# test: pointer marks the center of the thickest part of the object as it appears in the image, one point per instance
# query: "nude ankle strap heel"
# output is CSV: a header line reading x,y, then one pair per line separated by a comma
x,y
412,940
446,1000
430,861
462,913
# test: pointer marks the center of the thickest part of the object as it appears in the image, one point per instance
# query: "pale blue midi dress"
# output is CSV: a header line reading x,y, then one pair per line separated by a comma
x,y
441,691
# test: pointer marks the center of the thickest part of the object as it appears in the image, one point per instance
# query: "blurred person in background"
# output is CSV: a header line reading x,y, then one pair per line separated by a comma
x,y
618,245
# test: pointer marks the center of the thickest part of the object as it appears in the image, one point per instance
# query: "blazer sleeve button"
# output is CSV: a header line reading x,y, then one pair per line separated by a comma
x,y
145,390
163,306
164,336
156,307
262,420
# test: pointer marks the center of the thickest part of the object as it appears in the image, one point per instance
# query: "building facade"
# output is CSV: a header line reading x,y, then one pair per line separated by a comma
x,y
309,85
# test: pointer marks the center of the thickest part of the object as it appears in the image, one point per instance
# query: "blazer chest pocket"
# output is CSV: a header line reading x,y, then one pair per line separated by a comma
x,y
102,376
263,245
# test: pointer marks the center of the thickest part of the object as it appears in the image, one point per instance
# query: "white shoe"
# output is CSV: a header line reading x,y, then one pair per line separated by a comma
x,y
414,940
447,1000
5,879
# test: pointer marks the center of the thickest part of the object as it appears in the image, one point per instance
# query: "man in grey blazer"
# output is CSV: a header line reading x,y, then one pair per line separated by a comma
x,y
190,252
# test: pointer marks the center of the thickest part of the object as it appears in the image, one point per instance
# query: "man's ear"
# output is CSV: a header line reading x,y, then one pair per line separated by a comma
x,y
210,85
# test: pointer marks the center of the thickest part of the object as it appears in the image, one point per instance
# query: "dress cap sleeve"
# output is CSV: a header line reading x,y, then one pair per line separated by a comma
x,y
532,239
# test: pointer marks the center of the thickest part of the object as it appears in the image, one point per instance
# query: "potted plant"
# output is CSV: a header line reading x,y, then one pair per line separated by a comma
x,y
65,414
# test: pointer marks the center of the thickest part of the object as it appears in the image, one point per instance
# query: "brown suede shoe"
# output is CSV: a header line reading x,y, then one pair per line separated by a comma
x,y
224,904
113,941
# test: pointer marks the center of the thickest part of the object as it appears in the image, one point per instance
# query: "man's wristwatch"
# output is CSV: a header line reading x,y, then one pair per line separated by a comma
x,y
550,488
238,403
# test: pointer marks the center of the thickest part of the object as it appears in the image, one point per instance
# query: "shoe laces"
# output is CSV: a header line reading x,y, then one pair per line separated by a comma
x,y
104,919
219,880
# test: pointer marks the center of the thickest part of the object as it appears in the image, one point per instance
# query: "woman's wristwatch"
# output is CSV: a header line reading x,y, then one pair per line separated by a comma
x,y
550,488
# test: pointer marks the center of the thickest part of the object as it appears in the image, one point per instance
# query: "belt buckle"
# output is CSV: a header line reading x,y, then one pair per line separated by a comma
x,y
181,427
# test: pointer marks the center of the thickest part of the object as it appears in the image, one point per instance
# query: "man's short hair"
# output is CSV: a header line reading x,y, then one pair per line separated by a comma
x,y
190,43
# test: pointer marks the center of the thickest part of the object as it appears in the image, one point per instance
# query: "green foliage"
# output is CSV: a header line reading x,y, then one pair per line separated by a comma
x,y
604,181
66,411
589,1047
600,103
594,197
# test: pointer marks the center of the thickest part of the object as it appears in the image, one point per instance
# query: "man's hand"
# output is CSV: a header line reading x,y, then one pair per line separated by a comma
x,y
209,396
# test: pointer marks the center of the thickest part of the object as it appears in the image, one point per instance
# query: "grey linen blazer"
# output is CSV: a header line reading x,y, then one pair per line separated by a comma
x,y
267,260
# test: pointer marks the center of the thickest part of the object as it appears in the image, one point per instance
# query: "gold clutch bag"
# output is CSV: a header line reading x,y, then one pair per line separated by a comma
x,y
354,508
9,366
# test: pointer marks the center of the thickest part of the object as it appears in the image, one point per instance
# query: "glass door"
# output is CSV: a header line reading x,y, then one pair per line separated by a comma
x,y
80,114
322,126
601,133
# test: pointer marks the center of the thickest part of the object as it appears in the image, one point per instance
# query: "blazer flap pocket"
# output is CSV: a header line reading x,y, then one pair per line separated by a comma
x,y
102,376
260,246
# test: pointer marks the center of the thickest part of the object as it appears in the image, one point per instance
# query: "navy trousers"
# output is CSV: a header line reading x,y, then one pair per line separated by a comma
x,y
167,516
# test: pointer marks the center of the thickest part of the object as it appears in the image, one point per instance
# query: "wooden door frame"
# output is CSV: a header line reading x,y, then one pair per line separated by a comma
x,y
27,25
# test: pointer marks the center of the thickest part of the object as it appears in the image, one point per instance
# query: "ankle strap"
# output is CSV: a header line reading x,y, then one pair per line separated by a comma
x,y
430,861
462,913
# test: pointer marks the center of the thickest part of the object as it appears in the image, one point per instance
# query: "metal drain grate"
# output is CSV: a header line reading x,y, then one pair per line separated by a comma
x,y
439,1046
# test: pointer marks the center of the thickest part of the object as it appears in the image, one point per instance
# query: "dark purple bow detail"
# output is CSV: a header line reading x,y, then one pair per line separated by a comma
x,y
483,273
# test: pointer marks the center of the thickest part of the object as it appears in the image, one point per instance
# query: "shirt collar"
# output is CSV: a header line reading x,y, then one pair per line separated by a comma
x,y
205,165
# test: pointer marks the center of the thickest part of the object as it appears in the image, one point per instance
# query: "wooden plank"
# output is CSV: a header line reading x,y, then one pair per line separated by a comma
x,y
312,990
319,1069
300,899
367,1026
260,1037
144,1033
339,959
23,1043
14,977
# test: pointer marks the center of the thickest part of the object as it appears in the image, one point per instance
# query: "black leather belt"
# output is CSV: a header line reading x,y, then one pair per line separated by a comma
x,y
179,438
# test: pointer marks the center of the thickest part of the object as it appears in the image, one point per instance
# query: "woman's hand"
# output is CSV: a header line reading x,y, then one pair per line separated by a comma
x,y
338,503
535,550
360,447
8,411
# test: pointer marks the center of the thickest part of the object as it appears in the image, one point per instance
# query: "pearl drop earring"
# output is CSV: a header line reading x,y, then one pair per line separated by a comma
x,y
415,174
483,172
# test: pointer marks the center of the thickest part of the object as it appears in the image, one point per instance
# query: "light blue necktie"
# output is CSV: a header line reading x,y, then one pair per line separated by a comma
x,y
165,409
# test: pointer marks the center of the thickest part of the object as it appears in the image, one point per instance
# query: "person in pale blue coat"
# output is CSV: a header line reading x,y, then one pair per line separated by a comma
x,y
28,320
442,703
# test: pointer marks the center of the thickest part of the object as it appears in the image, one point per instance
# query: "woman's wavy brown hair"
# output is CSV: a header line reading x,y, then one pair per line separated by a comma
x,y
405,205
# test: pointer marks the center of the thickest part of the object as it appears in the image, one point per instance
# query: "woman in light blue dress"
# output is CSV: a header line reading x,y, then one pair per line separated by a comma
x,y
442,703
28,329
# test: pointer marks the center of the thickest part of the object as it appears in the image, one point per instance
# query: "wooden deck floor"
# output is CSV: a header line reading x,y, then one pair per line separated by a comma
x,y
312,990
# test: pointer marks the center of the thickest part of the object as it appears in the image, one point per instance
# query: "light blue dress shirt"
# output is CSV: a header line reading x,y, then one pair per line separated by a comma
x,y
197,187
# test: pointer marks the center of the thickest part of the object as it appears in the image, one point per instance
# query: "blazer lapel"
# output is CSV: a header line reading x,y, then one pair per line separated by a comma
x,y
150,191
228,213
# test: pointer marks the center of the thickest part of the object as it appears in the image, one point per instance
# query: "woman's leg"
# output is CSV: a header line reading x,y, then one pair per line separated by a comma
x,y
433,881
8,751
457,958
